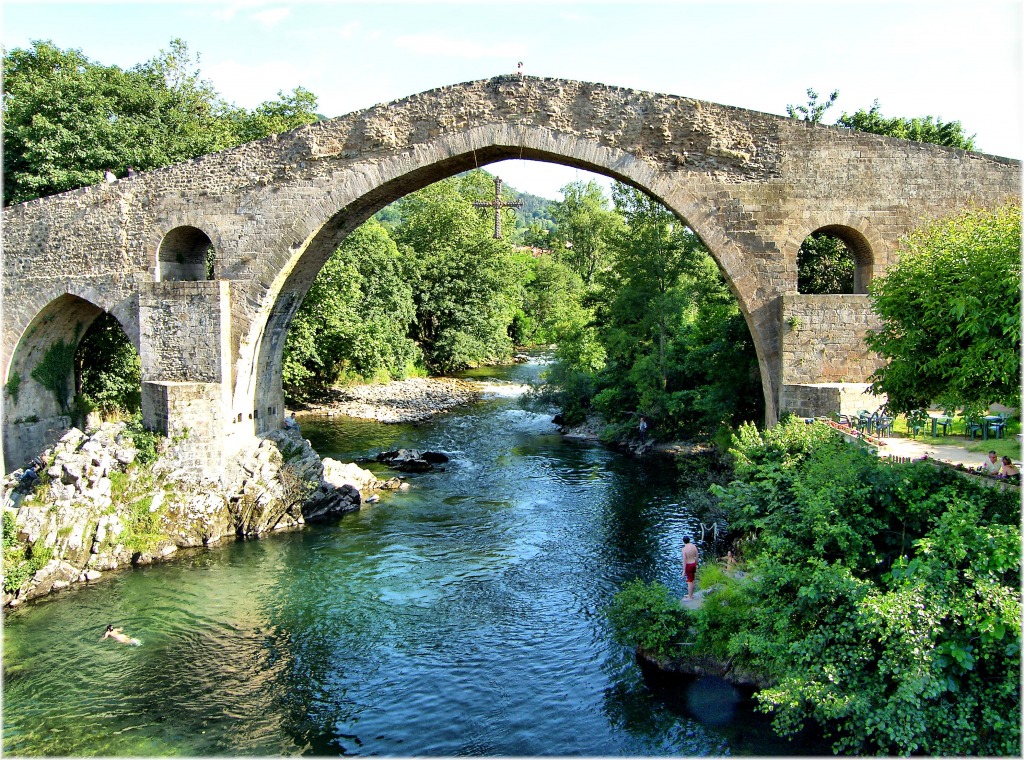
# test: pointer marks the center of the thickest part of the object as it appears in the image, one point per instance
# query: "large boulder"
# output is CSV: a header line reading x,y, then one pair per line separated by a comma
x,y
329,502
411,460
338,474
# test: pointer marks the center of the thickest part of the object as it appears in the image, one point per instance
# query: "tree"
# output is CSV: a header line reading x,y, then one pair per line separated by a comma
x,y
354,321
551,297
824,265
108,370
926,129
467,285
950,310
584,223
813,111
272,117
891,612
658,333
68,118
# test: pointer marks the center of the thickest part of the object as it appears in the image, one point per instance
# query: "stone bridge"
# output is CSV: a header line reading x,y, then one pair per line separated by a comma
x,y
752,185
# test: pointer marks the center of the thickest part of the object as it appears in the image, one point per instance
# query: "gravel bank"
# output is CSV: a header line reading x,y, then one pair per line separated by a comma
x,y
412,400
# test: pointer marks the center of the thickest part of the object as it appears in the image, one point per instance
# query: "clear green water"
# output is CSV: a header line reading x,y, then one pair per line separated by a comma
x,y
462,617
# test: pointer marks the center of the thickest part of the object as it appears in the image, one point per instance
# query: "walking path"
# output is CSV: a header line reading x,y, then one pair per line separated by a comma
x,y
907,447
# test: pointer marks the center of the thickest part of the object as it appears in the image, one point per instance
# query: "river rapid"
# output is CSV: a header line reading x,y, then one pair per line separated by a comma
x,y
460,617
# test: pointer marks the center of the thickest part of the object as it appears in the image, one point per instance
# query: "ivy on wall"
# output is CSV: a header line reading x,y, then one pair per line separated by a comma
x,y
13,387
57,368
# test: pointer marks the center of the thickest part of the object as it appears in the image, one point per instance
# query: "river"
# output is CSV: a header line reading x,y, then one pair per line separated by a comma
x,y
460,617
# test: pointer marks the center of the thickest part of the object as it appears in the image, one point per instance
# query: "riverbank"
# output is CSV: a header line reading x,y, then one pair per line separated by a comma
x,y
95,507
414,400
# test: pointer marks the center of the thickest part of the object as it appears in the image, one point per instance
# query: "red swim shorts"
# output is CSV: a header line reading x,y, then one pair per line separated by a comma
x,y
691,572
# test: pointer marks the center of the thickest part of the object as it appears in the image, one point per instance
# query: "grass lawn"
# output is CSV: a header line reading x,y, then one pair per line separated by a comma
x,y
1008,446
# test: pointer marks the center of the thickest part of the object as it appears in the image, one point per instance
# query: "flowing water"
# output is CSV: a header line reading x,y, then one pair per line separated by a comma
x,y
460,617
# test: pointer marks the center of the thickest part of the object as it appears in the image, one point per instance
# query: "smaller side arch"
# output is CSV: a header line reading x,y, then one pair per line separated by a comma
x,y
184,254
37,412
866,246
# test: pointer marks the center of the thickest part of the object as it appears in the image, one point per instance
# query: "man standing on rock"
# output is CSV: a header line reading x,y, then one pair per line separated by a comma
x,y
690,555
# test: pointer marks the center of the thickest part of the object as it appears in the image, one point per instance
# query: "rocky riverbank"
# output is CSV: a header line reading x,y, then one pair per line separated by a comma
x,y
413,400
95,508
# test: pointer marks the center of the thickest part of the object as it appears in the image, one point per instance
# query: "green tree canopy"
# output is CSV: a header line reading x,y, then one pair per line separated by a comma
x,y
927,129
951,314
584,225
467,285
813,111
68,118
354,321
658,333
824,265
883,598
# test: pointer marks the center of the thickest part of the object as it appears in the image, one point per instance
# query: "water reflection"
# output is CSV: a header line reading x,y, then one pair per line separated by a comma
x,y
463,616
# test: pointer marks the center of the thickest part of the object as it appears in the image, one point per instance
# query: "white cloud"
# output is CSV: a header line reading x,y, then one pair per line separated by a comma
x,y
444,46
228,11
271,17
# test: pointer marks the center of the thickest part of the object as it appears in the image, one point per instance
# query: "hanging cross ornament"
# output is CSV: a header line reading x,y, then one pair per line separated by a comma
x,y
498,204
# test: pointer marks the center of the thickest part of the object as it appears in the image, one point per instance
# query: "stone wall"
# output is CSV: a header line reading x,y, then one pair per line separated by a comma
x,y
24,439
828,399
192,416
184,331
823,339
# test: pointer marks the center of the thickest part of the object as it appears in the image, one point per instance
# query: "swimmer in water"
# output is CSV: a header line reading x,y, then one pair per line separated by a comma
x,y
120,636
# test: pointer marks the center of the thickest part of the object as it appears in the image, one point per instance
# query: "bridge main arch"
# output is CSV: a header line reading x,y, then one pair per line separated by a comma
x,y
295,272
748,183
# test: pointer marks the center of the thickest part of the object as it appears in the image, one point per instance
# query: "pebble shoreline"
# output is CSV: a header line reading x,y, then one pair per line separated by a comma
x,y
414,400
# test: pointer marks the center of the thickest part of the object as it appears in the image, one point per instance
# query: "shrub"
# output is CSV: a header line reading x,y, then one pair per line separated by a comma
x,y
13,386
891,612
649,617
145,441
142,526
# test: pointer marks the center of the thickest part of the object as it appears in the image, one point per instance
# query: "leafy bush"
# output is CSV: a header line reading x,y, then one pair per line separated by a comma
x,y
20,562
887,606
648,616
142,526
962,351
146,442
15,566
13,386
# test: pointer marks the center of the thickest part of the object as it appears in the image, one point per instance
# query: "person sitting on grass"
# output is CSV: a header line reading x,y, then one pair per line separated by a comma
x,y
991,465
1008,470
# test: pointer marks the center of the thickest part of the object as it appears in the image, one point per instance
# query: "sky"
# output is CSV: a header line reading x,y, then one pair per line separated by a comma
x,y
955,61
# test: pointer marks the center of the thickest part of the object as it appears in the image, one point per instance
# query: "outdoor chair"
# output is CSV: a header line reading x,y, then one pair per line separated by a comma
x,y
946,423
883,426
998,427
915,421
973,425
